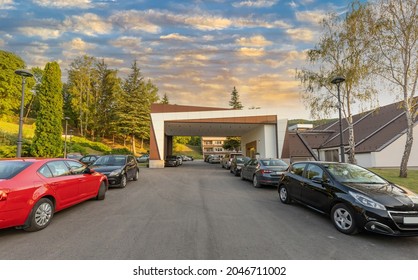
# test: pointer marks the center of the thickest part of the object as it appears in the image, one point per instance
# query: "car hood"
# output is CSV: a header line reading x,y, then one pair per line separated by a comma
x,y
390,195
104,168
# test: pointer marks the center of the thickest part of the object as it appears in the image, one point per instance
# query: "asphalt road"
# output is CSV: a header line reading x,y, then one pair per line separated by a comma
x,y
197,211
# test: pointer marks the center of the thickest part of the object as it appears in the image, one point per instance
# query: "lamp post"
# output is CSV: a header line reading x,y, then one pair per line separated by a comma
x,y
337,81
65,137
24,73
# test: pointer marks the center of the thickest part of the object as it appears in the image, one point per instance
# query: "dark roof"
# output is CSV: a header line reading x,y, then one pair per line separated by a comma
x,y
373,131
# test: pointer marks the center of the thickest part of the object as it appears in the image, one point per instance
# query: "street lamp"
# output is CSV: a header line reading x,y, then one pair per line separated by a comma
x,y
65,137
25,74
337,81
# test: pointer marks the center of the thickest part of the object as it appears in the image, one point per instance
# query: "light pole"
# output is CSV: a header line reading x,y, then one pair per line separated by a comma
x,y
337,81
24,73
65,137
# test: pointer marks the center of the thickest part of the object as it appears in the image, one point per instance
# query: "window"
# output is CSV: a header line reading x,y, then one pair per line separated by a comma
x,y
332,155
56,169
314,171
219,150
76,167
298,168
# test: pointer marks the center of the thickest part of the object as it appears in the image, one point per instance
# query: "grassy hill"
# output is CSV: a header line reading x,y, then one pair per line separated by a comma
x,y
188,150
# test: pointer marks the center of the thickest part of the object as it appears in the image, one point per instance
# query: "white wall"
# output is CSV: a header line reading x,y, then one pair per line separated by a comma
x,y
365,160
265,136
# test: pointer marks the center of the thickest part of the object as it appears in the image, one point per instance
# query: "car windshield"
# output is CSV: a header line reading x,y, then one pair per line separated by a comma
x,y
274,162
9,169
111,161
350,173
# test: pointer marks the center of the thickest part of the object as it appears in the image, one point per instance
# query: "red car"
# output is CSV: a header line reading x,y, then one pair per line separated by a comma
x,y
32,190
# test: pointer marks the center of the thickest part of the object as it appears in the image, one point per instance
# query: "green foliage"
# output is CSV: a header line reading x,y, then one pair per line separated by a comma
x,y
11,84
232,143
47,141
165,99
76,148
195,141
7,151
235,103
120,151
97,146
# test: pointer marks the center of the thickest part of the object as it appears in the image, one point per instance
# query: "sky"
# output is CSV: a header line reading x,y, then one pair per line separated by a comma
x,y
195,51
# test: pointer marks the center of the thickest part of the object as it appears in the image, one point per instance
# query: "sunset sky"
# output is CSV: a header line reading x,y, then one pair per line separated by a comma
x,y
194,51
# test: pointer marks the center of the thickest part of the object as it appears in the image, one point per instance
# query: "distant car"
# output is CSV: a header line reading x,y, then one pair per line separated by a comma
x,y
32,190
237,163
214,159
118,169
355,198
179,159
89,159
227,160
171,161
143,159
76,156
265,171
187,158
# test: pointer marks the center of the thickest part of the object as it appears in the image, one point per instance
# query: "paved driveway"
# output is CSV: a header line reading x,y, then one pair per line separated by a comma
x,y
196,211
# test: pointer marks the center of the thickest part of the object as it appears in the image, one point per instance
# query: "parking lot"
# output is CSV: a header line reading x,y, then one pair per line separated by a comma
x,y
196,211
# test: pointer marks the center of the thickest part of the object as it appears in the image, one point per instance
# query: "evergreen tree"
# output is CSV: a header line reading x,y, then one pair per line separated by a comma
x,y
235,103
47,141
165,99
232,144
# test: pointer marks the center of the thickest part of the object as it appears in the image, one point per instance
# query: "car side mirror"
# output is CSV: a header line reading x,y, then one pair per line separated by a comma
x,y
88,171
317,179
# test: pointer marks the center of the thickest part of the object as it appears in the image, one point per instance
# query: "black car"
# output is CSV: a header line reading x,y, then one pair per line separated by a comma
x,y
117,168
237,163
354,197
171,161
263,171
89,159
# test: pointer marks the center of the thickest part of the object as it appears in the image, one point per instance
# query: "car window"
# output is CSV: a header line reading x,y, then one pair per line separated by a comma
x,y
56,169
298,168
314,170
76,167
9,169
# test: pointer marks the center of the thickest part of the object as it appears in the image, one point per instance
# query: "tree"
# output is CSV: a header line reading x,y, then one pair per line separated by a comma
x,y
393,34
47,141
235,103
232,144
165,99
11,84
339,53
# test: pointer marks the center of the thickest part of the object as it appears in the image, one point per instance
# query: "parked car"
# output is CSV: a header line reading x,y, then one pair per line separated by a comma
x,y
179,159
143,159
214,159
118,169
32,190
171,161
355,198
89,159
76,156
227,160
265,171
187,158
237,163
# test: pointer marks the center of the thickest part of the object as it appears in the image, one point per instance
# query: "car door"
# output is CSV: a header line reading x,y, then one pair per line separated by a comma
x,y
130,166
56,174
251,168
315,190
88,184
295,180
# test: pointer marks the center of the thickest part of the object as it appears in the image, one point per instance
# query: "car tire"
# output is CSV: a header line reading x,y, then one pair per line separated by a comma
x,y
284,195
123,181
256,184
41,215
343,219
101,194
136,177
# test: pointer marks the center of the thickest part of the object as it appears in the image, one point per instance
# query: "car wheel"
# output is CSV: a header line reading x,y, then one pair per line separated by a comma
x,y
135,178
343,219
284,195
123,181
41,215
101,194
256,184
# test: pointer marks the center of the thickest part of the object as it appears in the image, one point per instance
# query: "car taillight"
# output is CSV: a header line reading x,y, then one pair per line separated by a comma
x,y
3,194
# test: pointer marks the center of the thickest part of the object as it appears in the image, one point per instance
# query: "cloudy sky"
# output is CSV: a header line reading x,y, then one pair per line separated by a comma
x,y
195,51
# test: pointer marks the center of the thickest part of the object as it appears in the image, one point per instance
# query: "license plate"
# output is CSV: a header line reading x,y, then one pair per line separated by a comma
x,y
410,220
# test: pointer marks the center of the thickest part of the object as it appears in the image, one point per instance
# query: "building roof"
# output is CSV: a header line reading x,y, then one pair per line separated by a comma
x,y
373,131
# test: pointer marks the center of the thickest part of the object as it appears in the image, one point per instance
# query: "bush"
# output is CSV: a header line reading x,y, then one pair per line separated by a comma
x,y
120,151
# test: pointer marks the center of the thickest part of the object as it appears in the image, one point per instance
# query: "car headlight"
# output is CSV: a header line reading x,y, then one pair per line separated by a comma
x,y
116,172
367,201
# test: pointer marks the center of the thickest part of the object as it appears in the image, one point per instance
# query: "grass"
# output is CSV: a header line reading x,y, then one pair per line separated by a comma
x,y
28,130
411,182
188,150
